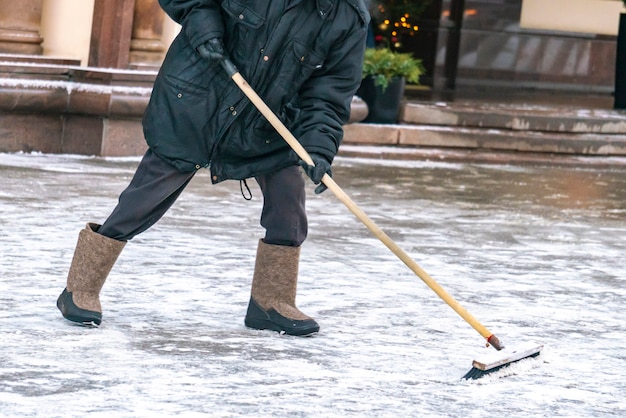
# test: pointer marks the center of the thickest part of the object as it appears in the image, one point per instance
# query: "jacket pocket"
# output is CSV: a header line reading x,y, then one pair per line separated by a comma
x,y
298,64
242,23
241,13
176,120
308,60
265,132
178,86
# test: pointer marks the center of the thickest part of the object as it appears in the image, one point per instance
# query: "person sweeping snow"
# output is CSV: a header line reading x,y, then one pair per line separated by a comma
x,y
305,57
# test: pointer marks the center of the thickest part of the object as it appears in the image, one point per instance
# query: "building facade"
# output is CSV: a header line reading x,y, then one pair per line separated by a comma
x,y
566,44
555,44
76,75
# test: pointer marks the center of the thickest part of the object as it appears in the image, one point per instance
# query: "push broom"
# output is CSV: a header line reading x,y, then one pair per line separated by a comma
x,y
479,367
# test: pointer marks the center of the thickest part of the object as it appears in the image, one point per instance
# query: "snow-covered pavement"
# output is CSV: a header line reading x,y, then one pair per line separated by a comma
x,y
535,253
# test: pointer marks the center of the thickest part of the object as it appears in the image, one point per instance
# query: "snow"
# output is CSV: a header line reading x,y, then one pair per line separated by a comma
x,y
534,252
108,70
70,86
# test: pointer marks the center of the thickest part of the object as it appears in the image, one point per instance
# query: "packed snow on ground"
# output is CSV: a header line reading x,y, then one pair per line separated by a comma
x,y
535,253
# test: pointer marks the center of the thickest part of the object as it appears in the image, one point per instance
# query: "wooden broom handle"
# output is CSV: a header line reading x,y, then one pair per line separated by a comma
x,y
349,203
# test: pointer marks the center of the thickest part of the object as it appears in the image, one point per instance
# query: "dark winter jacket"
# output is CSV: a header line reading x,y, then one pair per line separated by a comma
x,y
303,57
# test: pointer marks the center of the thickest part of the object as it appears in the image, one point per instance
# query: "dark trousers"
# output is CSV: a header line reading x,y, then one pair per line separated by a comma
x,y
156,185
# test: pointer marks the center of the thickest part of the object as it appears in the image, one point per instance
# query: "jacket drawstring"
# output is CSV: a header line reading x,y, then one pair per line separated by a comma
x,y
247,196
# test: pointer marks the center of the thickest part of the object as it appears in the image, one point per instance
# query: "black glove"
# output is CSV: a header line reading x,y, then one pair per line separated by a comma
x,y
322,166
213,50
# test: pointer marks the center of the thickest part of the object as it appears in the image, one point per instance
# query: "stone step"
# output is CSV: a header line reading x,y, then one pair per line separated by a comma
x,y
515,117
454,136
464,155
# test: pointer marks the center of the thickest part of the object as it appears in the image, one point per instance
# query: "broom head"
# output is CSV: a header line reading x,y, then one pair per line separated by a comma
x,y
501,359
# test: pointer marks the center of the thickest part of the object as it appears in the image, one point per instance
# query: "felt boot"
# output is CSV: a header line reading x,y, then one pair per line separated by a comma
x,y
273,301
94,257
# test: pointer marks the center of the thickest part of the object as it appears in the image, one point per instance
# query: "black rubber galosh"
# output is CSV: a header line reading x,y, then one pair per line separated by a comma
x,y
73,313
257,318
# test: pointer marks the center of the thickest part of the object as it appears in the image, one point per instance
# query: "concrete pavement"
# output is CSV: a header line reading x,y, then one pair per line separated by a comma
x,y
536,253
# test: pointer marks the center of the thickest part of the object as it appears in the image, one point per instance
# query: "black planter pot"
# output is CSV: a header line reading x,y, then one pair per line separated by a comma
x,y
383,106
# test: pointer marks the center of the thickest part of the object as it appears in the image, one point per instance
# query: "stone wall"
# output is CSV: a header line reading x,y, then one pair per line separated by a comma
x,y
60,107
56,108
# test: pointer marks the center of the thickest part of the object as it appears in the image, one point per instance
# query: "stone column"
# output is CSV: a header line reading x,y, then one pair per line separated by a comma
x,y
110,33
453,47
146,47
620,65
20,21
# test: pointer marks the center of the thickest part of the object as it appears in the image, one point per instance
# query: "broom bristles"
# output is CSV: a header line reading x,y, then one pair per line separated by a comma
x,y
503,359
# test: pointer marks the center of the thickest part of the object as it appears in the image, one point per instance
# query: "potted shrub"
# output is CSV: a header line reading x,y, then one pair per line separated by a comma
x,y
385,74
